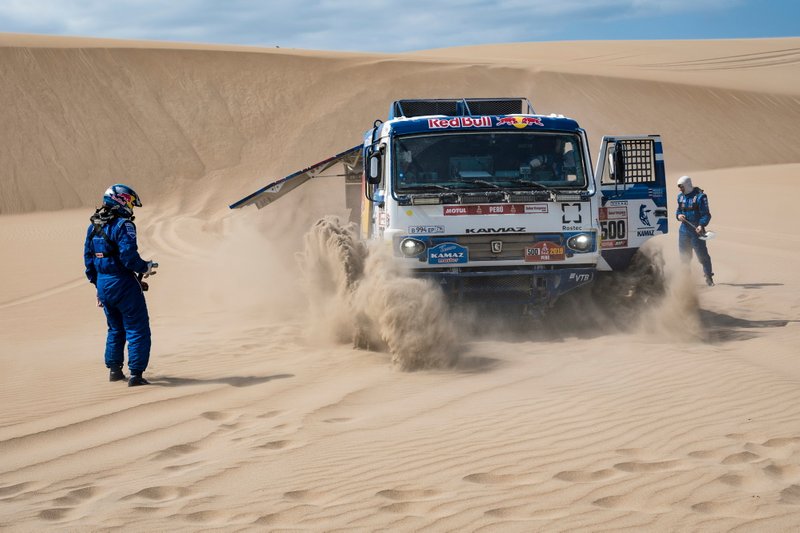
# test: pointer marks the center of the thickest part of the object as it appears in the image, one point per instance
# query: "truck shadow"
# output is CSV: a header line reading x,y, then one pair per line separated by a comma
x,y
721,327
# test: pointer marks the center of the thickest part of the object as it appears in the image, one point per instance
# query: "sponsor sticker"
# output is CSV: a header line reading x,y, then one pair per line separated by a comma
x,y
541,252
614,227
537,209
383,220
494,209
583,277
519,122
460,122
448,253
423,230
130,229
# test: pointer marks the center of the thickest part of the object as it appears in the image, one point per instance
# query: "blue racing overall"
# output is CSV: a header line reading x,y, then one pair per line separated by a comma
x,y
112,261
694,206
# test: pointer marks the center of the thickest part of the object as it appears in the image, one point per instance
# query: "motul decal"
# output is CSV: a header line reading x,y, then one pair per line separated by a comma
x,y
495,209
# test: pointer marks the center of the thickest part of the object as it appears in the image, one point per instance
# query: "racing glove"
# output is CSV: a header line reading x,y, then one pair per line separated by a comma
x,y
151,269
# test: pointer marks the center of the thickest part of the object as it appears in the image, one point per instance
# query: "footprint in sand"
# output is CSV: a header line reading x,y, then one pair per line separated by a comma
x,y
303,495
215,415
781,442
705,454
207,517
76,496
56,513
405,495
740,458
274,445
406,501
13,490
659,466
290,517
579,476
174,451
158,494
485,478
791,495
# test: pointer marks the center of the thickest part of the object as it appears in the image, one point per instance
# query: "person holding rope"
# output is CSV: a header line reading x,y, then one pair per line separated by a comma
x,y
694,214
113,265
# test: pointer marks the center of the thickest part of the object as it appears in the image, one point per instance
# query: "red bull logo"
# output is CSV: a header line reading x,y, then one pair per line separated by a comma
x,y
460,122
519,122
123,198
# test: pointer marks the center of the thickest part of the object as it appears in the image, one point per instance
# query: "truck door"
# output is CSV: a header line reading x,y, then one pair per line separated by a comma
x,y
633,196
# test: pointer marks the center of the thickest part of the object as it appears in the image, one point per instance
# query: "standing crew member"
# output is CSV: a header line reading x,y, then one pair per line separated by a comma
x,y
112,263
694,215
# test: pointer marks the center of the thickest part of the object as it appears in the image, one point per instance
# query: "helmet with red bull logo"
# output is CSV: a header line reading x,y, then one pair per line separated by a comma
x,y
121,199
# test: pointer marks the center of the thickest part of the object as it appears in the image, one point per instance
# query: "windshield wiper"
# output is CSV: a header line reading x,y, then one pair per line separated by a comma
x,y
535,184
482,182
432,186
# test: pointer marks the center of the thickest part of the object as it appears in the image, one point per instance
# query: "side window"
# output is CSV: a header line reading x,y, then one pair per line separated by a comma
x,y
570,157
634,162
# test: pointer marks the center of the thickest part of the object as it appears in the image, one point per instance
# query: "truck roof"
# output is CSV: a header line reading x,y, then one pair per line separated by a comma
x,y
426,115
441,123
460,107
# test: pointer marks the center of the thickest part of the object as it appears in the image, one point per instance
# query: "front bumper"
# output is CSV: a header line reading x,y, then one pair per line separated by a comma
x,y
537,286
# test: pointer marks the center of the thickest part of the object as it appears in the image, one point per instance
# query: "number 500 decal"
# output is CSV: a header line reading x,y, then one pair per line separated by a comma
x,y
614,229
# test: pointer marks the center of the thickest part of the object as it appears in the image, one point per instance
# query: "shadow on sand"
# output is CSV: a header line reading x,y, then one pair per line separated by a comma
x,y
233,381
721,327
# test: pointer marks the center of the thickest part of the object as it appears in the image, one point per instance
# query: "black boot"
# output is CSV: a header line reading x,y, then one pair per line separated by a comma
x,y
710,280
136,380
116,374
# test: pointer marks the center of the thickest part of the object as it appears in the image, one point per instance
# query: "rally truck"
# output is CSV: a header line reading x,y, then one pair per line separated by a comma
x,y
495,202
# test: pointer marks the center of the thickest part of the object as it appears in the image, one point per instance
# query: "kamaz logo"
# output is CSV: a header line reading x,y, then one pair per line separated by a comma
x,y
643,215
447,255
511,229
645,233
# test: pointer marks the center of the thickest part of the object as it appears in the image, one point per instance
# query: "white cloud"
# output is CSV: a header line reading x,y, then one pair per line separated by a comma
x,y
378,25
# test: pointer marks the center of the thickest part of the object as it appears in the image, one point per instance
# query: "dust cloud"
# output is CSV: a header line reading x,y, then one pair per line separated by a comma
x,y
359,292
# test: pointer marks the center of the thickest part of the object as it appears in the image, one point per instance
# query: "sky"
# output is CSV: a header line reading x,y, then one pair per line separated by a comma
x,y
400,25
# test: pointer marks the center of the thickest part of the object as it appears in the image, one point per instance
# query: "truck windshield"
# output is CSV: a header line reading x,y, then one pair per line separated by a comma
x,y
491,160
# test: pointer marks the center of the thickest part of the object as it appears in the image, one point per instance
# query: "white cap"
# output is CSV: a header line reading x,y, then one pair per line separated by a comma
x,y
686,181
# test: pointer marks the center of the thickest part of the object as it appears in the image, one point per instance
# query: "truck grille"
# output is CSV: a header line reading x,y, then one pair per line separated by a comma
x,y
512,245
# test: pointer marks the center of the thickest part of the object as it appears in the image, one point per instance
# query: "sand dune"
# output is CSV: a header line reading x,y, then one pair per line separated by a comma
x,y
260,420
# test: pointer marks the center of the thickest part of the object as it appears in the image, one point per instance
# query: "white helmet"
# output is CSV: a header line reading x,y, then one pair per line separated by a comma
x,y
686,181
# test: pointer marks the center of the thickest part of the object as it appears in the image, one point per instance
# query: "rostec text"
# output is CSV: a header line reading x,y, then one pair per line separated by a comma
x,y
460,122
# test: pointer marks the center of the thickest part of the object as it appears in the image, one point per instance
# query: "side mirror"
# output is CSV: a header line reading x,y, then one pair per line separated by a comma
x,y
374,169
619,163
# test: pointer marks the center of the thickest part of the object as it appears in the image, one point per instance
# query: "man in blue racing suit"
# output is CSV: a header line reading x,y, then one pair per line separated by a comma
x,y
112,263
694,215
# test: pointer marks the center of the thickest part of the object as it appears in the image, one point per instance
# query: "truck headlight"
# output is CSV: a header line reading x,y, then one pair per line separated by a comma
x,y
580,243
411,247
